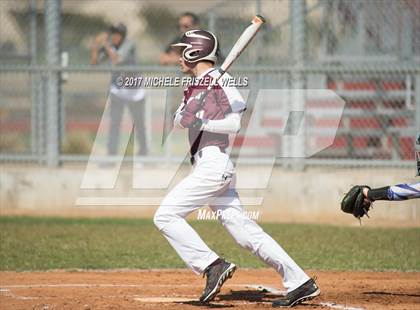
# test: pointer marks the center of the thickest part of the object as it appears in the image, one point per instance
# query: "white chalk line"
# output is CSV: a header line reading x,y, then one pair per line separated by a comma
x,y
6,289
186,300
108,285
8,293
194,298
269,289
165,299
333,305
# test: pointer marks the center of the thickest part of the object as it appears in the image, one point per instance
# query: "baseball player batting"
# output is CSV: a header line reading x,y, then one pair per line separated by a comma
x,y
209,117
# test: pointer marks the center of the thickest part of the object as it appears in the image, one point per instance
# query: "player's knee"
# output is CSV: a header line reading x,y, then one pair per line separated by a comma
x,y
246,242
164,215
243,242
238,234
248,235
161,218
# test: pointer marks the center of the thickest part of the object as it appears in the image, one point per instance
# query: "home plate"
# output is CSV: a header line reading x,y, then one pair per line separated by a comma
x,y
164,299
264,288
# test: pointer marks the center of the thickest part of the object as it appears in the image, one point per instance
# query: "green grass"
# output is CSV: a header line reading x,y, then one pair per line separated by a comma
x,y
28,243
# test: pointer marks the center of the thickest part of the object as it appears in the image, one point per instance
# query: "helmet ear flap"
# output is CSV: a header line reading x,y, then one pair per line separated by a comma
x,y
191,55
199,45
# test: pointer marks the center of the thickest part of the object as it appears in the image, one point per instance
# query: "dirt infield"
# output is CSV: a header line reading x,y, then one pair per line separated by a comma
x,y
179,289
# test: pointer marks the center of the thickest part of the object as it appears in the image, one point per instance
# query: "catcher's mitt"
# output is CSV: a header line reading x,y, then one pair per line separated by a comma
x,y
354,202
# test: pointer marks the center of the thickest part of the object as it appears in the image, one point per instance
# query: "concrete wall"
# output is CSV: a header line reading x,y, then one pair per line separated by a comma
x,y
312,195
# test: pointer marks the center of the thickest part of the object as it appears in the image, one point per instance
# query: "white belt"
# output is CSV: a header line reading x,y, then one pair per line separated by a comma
x,y
205,151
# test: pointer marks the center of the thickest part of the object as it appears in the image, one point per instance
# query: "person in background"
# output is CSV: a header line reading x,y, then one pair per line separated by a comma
x,y
119,51
187,21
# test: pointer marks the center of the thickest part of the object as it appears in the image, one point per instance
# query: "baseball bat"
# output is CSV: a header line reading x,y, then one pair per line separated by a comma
x,y
246,37
243,41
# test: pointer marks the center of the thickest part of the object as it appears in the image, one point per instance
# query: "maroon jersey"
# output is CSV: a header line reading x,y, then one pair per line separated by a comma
x,y
219,102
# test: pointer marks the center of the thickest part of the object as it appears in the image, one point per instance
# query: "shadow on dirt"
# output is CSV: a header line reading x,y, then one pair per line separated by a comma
x,y
248,295
242,295
205,305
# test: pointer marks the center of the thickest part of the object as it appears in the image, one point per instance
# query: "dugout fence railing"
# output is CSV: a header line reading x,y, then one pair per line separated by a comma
x,y
367,52
381,112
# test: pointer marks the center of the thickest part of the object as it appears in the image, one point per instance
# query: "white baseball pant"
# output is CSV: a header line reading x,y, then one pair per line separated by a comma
x,y
212,182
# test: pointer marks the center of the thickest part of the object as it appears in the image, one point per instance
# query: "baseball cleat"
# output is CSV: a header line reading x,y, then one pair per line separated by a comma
x,y
306,291
216,274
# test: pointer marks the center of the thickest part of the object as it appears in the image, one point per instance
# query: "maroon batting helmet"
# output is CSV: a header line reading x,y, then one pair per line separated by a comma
x,y
198,45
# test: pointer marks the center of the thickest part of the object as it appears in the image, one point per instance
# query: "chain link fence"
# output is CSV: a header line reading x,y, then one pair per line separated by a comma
x,y
368,52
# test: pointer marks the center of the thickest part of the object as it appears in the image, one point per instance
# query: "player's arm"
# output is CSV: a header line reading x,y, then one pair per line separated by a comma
x,y
94,55
396,192
112,53
231,124
186,115
178,117
98,44
233,105
229,100
186,118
